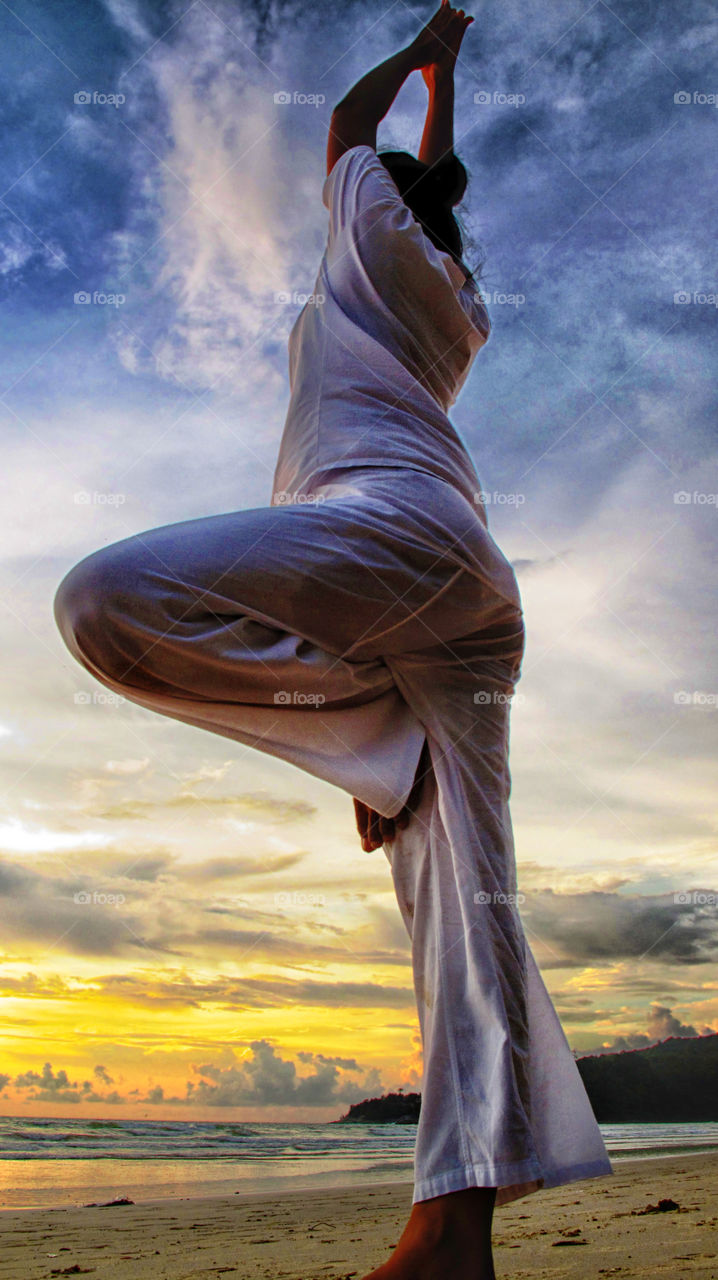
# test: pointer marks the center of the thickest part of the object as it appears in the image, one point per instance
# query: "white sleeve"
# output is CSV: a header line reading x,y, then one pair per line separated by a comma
x,y
359,185
364,203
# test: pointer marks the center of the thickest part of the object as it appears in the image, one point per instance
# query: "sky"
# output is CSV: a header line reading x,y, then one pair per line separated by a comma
x,y
189,927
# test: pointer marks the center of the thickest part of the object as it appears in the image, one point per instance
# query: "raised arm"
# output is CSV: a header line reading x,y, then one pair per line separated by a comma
x,y
437,139
438,136
355,119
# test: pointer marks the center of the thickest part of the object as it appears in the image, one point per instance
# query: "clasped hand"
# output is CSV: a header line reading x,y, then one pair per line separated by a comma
x,y
437,45
374,829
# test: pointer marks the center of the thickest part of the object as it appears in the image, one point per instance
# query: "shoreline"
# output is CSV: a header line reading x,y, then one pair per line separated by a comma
x,y
340,1232
240,1196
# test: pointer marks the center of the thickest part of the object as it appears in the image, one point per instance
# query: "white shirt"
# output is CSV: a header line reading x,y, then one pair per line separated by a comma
x,y
375,364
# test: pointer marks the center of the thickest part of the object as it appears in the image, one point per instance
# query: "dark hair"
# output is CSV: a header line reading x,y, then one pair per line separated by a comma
x,y
430,192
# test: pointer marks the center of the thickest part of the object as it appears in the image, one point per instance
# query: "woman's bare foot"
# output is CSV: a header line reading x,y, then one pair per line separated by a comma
x,y
446,1238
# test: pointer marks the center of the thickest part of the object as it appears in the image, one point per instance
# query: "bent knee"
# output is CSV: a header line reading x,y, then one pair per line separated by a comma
x,y
90,604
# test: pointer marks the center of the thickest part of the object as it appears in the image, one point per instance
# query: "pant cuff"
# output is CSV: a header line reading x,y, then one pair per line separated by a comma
x,y
512,1181
478,1175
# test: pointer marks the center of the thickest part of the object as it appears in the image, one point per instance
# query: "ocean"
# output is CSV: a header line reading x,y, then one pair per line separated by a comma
x,y
58,1162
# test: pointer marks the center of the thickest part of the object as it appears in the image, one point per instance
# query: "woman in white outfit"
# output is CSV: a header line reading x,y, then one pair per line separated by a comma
x,y
366,627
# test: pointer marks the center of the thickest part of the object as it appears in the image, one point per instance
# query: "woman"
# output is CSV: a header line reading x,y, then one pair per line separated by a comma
x,y
366,627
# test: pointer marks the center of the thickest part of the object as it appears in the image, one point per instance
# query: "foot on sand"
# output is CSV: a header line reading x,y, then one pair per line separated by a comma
x,y
446,1236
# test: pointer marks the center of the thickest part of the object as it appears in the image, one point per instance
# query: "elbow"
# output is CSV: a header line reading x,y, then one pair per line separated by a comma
x,y
350,127
344,107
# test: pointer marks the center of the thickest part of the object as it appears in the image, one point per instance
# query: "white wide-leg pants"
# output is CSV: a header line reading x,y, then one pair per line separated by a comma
x,y
339,633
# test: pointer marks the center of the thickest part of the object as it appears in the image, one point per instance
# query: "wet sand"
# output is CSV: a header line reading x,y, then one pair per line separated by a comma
x,y
583,1229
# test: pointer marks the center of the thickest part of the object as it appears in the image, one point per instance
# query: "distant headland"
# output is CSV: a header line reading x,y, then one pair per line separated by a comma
x,y
675,1081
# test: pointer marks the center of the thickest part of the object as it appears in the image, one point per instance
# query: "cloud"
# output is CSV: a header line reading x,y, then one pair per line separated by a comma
x,y
662,1025
55,1086
176,988
51,1086
574,929
137,907
126,767
262,1079
267,1079
222,246
258,804
235,868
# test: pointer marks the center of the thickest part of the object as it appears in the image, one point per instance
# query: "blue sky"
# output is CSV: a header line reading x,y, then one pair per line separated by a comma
x,y
181,198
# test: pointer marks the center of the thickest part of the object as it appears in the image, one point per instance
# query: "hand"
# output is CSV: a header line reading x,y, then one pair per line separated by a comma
x,y
437,45
373,828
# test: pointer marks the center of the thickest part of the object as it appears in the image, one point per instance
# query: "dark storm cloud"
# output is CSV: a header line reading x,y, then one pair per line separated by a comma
x,y
590,928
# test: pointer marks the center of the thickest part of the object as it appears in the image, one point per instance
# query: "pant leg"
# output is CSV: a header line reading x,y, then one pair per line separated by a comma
x,y
237,624
455,865
503,1104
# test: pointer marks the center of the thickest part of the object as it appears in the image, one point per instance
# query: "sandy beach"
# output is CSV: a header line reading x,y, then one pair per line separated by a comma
x,y
590,1229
